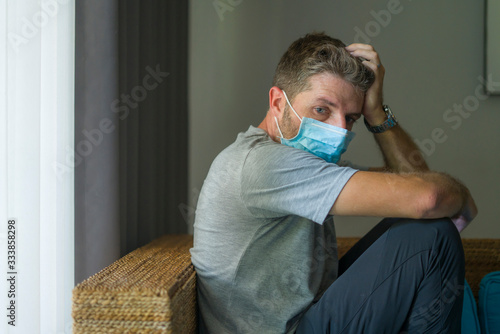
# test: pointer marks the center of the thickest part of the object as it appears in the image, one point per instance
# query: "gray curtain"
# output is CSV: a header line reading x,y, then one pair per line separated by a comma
x,y
153,137
130,127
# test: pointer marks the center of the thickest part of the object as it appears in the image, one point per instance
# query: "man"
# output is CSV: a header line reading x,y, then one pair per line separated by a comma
x,y
264,240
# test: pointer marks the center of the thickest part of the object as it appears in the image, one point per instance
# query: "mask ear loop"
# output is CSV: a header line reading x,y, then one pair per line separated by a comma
x,y
281,135
286,97
276,120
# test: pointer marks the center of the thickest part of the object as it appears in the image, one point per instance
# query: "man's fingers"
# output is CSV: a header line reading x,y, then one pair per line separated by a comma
x,y
369,55
356,46
374,67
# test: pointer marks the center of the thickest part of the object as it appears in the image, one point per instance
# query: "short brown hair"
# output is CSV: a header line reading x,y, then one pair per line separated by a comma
x,y
318,53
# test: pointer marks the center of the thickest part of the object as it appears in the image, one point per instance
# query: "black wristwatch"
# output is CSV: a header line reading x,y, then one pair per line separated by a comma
x,y
389,123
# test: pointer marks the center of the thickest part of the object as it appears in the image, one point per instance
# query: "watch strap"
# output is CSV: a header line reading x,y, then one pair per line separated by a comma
x,y
389,123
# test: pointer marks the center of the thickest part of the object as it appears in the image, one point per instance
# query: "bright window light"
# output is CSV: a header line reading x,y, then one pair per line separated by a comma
x,y
36,198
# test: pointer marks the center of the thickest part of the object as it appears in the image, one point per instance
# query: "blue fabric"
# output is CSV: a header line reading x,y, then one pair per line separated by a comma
x,y
470,320
489,303
323,140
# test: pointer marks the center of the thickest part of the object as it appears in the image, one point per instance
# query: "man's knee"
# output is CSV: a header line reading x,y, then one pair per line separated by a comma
x,y
439,234
441,226
449,239
445,226
445,230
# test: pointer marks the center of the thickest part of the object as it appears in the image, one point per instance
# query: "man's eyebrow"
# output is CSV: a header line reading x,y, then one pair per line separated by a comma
x,y
321,99
326,101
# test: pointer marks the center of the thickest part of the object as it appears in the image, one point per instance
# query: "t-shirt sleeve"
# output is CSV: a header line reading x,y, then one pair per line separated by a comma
x,y
278,180
347,163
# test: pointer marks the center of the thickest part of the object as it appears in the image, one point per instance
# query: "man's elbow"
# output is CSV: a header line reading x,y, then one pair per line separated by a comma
x,y
436,203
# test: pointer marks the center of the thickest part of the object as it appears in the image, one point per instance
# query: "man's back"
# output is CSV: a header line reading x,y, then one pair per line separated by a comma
x,y
260,262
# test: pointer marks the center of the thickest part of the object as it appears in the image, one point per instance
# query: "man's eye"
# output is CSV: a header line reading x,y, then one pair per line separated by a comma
x,y
320,110
350,119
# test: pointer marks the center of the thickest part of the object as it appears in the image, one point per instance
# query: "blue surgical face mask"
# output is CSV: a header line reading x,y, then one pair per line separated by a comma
x,y
323,140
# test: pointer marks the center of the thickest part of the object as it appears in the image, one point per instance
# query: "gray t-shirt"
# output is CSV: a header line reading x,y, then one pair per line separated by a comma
x,y
264,244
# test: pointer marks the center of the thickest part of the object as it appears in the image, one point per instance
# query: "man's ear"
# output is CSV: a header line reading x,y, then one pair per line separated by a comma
x,y
277,101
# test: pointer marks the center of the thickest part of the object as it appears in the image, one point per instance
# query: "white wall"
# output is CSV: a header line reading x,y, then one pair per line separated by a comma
x,y
433,54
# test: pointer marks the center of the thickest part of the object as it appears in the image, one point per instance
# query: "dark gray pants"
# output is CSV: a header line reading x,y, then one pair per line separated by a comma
x,y
404,276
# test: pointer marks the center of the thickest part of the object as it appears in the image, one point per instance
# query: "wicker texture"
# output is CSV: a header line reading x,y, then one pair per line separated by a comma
x,y
153,289
344,244
150,290
482,256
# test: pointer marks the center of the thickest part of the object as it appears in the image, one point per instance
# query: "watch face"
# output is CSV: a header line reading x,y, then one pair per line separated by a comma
x,y
389,123
388,110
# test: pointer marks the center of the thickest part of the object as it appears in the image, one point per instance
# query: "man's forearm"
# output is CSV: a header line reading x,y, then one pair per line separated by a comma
x,y
400,153
450,195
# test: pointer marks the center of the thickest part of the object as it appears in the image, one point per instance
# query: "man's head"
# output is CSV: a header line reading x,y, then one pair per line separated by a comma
x,y
322,80
318,53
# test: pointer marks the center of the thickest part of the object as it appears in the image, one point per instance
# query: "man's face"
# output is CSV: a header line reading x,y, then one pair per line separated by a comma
x,y
330,100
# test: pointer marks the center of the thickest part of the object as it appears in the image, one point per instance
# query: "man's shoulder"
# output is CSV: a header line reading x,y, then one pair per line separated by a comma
x,y
253,139
256,153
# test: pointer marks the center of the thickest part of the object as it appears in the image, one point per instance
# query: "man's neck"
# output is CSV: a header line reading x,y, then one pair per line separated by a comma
x,y
268,124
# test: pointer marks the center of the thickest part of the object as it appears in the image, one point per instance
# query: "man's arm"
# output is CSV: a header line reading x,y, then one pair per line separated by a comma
x,y
410,190
398,149
401,154
416,195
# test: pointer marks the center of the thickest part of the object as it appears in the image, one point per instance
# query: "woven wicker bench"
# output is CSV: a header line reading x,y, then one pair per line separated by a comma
x,y
153,289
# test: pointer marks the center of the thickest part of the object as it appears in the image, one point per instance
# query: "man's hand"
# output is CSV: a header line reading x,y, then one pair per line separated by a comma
x,y
399,151
400,195
372,108
466,215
